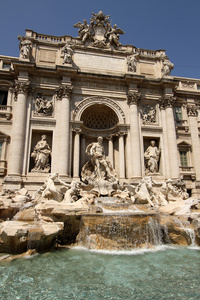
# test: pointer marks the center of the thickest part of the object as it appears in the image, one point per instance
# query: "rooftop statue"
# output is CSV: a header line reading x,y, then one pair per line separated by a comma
x,y
167,67
99,32
25,47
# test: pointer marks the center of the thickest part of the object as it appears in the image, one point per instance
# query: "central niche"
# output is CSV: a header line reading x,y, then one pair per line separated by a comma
x,y
99,116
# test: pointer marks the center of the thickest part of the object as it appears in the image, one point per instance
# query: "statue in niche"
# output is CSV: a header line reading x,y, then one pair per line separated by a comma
x,y
98,168
148,113
25,47
84,31
167,67
132,62
152,155
43,106
66,53
41,154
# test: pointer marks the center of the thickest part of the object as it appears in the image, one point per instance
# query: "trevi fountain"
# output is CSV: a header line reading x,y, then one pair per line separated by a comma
x,y
99,170
115,237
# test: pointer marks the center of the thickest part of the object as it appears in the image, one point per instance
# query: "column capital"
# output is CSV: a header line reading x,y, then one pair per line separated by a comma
x,y
121,133
167,101
110,137
64,91
21,87
133,97
192,110
76,130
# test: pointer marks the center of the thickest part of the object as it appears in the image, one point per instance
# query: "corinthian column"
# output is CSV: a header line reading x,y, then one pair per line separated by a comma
x,y
63,93
167,102
121,155
135,159
76,159
110,150
21,90
192,111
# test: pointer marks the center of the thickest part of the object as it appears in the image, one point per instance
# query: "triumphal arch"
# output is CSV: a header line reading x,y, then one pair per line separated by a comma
x,y
63,92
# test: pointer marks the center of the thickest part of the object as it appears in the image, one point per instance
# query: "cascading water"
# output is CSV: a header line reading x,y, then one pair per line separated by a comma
x,y
120,231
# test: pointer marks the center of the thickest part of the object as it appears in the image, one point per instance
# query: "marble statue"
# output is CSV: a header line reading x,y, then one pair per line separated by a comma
x,y
84,31
25,47
113,34
43,106
152,155
132,62
99,33
66,53
73,193
167,67
49,190
41,154
102,168
143,192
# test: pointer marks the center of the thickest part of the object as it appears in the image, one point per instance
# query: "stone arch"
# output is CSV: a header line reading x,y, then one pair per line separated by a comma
x,y
86,103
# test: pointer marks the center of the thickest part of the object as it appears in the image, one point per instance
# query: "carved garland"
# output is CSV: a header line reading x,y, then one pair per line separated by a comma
x,y
99,100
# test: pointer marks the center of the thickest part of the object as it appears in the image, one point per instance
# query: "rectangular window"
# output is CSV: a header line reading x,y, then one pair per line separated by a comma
x,y
6,66
183,158
3,97
178,112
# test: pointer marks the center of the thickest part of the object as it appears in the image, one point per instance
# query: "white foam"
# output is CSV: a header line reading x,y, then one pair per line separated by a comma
x,y
136,251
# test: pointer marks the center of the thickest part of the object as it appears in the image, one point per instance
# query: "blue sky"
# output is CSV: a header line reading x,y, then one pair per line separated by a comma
x,y
172,25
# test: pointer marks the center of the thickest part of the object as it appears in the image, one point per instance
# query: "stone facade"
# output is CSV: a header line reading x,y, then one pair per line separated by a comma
x,y
72,90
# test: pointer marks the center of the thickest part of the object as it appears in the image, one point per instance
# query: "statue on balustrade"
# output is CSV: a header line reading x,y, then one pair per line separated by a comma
x,y
152,155
132,62
98,167
25,47
41,154
167,67
66,53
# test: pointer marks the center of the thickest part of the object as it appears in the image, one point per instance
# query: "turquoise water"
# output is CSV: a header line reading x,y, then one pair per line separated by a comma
x,y
165,273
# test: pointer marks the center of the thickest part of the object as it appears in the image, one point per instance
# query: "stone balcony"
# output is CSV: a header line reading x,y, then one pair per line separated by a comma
x,y
5,111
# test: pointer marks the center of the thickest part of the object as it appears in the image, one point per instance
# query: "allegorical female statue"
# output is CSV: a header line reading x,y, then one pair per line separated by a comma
x,y
152,155
41,154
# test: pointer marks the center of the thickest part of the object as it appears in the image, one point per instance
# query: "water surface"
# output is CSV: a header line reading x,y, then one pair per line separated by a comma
x,y
165,273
